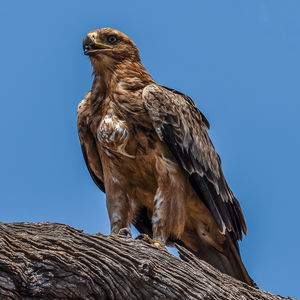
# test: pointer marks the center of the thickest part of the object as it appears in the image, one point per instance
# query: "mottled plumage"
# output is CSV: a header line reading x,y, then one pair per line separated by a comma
x,y
146,146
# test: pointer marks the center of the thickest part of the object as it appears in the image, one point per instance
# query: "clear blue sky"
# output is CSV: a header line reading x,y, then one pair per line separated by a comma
x,y
239,61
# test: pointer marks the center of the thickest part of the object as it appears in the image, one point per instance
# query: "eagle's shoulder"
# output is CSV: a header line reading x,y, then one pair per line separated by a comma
x,y
83,106
173,102
150,88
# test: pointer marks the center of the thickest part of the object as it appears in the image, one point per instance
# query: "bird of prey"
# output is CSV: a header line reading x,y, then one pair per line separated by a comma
x,y
146,146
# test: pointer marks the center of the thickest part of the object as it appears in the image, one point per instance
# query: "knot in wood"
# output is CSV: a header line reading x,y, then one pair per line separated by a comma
x,y
146,267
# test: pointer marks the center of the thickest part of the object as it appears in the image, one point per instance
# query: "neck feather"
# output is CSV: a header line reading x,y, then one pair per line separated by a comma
x,y
110,76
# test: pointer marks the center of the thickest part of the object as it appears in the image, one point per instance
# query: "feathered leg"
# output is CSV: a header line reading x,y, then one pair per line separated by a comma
x,y
121,209
168,216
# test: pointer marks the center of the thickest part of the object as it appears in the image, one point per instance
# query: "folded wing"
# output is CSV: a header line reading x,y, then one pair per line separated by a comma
x,y
88,146
183,128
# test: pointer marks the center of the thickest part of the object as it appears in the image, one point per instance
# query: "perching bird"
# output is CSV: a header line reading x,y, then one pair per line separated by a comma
x,y
146,146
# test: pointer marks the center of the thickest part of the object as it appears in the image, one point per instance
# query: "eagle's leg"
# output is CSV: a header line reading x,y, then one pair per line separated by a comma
x,y
120,209
120,213
169,201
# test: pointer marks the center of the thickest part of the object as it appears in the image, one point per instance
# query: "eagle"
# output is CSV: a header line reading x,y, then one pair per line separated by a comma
x,y
146,146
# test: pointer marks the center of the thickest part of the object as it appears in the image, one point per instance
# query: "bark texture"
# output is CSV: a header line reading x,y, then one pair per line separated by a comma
x,y
56,261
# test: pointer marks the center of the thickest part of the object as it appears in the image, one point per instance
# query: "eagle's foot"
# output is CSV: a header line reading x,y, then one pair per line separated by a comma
x,y
158,244
125,232
146,238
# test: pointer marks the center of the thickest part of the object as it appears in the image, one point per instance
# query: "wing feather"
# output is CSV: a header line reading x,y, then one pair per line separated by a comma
x,y
88,146
183,128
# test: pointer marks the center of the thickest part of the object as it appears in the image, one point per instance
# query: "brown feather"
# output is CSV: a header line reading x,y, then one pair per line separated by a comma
x,y
189,143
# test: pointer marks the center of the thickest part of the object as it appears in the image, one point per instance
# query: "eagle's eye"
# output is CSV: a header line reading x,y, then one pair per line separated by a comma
x,y
112,39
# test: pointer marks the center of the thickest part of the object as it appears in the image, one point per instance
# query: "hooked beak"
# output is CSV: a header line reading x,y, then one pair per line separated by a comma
x,y
91,46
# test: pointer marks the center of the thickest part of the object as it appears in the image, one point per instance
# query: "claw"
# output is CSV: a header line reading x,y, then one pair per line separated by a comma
x,y
125,232
143,237
158,244
146,238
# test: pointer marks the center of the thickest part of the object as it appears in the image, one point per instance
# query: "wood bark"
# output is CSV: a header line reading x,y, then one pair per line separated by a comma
x,y
55,261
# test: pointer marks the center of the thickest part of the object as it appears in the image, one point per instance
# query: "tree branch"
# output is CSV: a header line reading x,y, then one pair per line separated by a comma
x,y
56,261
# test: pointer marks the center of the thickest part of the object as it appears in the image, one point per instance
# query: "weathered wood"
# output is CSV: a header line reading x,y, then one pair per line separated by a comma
x,y
56,261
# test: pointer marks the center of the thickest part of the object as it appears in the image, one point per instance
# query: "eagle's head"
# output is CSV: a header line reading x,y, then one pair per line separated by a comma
x,y
107,46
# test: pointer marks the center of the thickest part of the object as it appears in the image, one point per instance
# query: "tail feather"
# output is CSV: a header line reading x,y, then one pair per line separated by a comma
x,y
228,261
237,265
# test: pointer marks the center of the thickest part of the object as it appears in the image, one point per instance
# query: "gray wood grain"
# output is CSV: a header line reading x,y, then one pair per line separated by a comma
x,y
55,261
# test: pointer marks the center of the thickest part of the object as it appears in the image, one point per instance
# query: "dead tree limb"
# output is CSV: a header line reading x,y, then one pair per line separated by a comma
x,y
56,261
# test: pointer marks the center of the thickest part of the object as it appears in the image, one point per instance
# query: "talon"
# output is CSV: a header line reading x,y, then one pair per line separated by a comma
x,y
146,238
158,244
125,232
